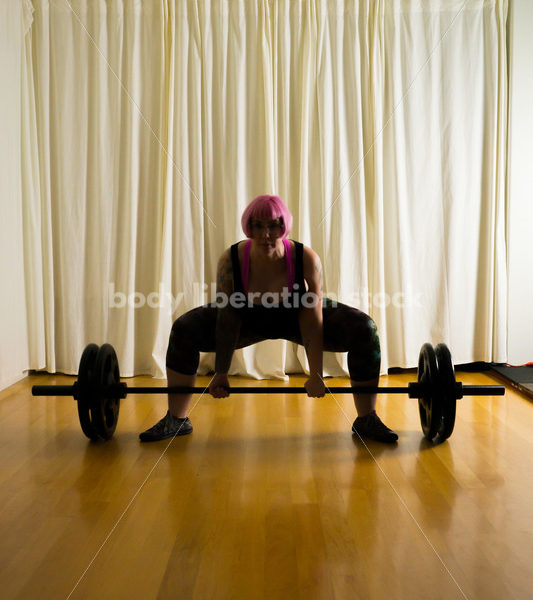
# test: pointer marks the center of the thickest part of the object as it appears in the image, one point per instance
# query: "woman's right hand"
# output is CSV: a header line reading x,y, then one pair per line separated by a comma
x,y
218,385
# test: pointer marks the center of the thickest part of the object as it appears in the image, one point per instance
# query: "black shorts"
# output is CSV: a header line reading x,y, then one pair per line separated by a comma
x,y
345,329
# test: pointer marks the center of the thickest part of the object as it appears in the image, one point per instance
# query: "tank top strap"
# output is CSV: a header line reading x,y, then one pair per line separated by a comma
x,y
246,266
299,266
288,261
237,280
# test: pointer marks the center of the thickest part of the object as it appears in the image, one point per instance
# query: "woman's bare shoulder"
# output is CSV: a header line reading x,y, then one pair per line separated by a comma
x,y
309,255
226,255
312,265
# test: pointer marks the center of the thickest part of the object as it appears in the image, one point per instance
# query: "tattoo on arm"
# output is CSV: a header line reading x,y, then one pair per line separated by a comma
x,y
225,274
228,320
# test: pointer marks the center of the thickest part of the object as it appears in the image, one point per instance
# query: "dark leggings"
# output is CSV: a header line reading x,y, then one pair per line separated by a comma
x,y
345,329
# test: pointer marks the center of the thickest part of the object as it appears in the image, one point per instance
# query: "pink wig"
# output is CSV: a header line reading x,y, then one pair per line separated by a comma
x,y
266,207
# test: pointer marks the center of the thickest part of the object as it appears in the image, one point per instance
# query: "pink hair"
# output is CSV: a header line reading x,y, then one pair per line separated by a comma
x,y
266,207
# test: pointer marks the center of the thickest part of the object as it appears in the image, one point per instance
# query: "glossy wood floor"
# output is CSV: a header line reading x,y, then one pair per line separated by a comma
x,y
270,497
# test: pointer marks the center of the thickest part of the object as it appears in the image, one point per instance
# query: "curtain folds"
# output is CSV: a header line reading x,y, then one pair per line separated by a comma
x,y
148,126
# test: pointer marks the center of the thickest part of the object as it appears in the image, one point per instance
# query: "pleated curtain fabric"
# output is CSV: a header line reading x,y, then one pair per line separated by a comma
x,y
148,126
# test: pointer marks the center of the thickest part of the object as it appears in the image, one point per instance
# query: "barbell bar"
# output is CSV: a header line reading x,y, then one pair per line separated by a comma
x,y
414,390
98,391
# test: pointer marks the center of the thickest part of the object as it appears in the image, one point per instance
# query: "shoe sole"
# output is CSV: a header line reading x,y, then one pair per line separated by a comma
x,y
165,437
375,439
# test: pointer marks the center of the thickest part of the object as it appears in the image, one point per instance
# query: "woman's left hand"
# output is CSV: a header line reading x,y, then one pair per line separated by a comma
x,y
315,387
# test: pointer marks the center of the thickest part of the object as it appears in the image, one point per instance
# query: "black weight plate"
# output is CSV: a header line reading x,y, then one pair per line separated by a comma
x,y
84,391
105,404
430,402
447,385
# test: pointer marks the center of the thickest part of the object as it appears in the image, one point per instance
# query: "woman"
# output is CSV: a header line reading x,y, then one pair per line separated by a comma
x,y
269,287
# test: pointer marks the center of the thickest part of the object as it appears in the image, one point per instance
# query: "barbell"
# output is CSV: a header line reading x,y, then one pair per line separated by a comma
x,y
98,391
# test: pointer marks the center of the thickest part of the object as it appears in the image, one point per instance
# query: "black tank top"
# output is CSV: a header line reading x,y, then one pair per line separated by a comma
x,y
289,304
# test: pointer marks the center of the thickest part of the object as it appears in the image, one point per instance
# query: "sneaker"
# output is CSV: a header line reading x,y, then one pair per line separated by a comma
x,y
370,426
167,427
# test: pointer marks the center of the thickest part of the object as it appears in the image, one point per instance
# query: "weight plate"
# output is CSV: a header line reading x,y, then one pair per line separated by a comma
x,y
447,385
430,402
85,389
105,404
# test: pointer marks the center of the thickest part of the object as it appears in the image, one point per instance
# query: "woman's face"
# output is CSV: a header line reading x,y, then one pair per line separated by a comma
x,y
265,232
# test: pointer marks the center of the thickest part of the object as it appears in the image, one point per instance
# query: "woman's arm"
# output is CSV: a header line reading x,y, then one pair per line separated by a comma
x,y
227,327
310,321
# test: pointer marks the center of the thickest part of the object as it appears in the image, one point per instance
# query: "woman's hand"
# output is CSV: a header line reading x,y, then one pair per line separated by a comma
x,y
218,385
315,387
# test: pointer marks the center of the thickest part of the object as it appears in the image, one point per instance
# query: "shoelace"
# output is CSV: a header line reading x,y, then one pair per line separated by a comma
x,y
380,426
374,422
163,425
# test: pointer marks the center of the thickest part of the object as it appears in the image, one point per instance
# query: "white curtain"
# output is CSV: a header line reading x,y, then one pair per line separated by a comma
x,y
148,126
15,19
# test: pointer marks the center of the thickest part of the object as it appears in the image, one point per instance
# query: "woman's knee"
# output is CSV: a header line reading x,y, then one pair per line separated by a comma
x,y
181,356
364,358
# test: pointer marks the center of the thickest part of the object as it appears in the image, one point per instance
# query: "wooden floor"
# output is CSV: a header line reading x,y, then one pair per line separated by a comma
x,y
270,497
